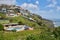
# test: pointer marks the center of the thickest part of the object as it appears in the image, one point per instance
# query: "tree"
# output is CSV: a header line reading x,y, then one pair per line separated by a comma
x,y
56,32
14,30
40,23
20,23
1,27
11,20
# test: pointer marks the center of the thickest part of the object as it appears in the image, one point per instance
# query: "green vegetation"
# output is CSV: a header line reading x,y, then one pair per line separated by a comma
x,y
31,35
22,35
22,20
20,23
2,15
4,21
43,28
14,30
42,36
1,27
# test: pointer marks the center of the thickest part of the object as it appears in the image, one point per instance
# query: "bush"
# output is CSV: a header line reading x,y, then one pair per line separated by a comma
x,y
14,30
41,36
20,23
11,20
3,16
32,37
56,32
1,27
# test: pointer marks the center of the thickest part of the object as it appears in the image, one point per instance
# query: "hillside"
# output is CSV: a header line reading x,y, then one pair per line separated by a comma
x,y
42,28
23,14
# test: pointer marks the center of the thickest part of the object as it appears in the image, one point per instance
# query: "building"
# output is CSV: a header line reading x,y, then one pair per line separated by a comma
x,y
3,10
16,26
11,15
31,19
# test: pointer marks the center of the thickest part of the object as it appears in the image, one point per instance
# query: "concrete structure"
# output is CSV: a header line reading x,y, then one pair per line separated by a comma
x,y
31,19
16,26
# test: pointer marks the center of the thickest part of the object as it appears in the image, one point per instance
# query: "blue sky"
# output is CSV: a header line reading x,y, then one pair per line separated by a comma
x,y
49,9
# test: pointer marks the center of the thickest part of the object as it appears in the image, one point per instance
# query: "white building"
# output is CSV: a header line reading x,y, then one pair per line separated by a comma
x,y
4,10
16,26
11,15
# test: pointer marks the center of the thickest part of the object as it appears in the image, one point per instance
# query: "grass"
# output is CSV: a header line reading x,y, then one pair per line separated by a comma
x,y
4,21
25,21
22,35
17,35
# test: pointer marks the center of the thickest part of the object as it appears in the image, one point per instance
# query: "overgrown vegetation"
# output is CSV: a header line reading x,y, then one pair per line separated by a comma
x,y
2,15
43,28
1,27
41,34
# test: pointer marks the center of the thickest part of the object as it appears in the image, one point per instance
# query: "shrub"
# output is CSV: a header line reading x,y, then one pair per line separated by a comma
x,y
3,16
14,30
20,23
11,20
1,27
41,36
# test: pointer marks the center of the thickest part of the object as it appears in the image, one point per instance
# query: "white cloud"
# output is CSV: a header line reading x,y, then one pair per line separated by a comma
x,y
31,6
37,2
10,2
58,8
53,1
24,5
52,4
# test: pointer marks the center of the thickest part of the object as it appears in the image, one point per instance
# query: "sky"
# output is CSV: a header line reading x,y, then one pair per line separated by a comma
x,y
8,2
49,9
